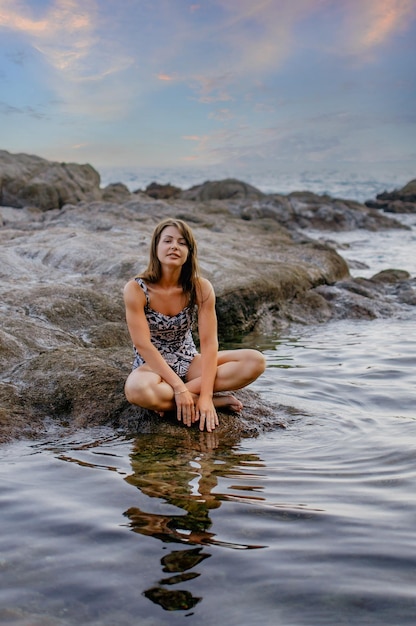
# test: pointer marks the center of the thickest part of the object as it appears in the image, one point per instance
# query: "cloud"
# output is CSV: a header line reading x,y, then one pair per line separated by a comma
x,y
197,66
65,25
166,77
260,35
244,43
213,88
12,15
372,23
320,138
222,115
29,111
224,145
254,40
67,38
264,107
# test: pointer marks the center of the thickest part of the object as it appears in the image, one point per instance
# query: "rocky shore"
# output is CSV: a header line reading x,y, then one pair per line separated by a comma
x,y
68,247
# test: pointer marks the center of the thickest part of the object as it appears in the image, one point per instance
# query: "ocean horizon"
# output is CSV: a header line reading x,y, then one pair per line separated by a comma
x,y
348,184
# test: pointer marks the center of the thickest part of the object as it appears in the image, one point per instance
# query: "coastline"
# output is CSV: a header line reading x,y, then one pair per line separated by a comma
x,y
358,185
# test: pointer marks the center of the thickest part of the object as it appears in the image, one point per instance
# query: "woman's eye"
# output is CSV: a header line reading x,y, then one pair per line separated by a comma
x,y
181,242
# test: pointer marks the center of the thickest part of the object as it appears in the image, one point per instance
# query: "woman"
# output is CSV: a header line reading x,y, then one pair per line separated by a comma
x,y
168,372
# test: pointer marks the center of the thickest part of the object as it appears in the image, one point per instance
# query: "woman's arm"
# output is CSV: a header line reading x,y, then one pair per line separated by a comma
x,y
135,300
208,338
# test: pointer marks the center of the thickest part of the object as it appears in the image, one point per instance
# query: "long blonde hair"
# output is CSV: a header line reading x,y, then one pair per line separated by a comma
x,y
189,277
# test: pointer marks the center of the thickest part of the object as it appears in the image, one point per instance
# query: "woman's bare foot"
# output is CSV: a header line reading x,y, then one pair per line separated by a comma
x,y
226,400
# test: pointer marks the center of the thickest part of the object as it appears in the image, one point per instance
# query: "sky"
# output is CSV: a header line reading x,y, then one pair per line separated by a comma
x,y
235,84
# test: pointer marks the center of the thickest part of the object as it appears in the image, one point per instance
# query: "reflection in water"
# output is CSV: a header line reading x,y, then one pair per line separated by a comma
x,y
183,471
177,561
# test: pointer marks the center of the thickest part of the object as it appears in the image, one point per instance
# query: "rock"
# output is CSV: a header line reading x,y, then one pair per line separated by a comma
x,y
64,348
398,201
325,213
392,206
162,192
371,298
227,189
307,210
256,418
116,192
276,207
27,180
399,284
409,191
390,276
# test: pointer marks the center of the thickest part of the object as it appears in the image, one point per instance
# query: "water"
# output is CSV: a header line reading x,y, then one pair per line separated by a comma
x,y
360,186
310,525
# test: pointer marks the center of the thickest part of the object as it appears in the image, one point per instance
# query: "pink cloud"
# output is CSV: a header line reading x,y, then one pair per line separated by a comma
x,y
165,77
387,16
371,23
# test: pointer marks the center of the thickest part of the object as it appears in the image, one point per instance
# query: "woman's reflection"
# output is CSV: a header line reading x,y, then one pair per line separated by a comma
x,y
183,471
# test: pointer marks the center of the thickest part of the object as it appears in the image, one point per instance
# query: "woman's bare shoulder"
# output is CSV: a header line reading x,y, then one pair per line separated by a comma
x,y
133,292
205,291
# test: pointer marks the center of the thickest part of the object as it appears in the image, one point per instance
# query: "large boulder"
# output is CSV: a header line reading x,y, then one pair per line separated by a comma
x,y
27,180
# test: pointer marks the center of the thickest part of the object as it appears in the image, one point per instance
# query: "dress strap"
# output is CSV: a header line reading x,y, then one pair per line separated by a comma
x,y
143,285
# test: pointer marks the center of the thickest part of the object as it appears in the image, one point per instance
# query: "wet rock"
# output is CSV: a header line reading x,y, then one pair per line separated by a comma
x,y
399,284
369,298
390,276
255,419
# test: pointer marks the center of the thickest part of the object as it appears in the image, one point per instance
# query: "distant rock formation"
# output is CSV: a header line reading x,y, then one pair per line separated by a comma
x,y
162,192
398,201
303,209
227,189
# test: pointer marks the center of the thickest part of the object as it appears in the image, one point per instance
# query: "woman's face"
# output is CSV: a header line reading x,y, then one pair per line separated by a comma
x,y
172,249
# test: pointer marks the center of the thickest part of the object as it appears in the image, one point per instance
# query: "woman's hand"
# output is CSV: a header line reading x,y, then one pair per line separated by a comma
x,y
185,407
207,415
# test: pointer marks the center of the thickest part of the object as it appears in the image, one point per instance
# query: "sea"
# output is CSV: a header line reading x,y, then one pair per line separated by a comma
x,y
346,182
312,524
